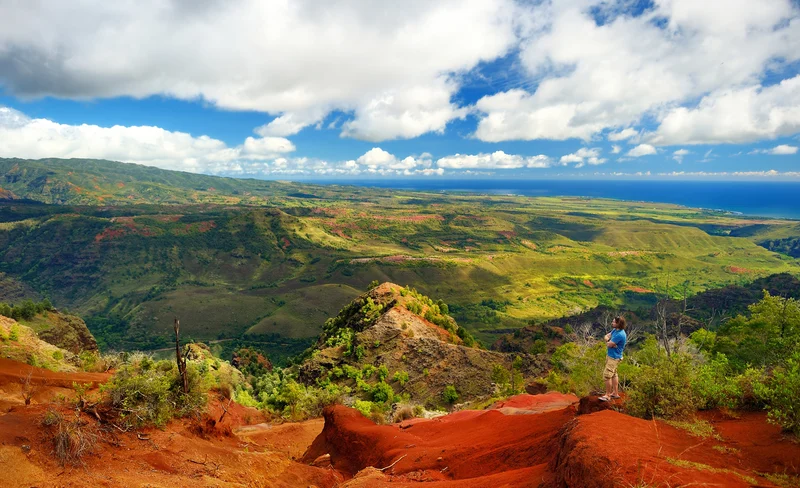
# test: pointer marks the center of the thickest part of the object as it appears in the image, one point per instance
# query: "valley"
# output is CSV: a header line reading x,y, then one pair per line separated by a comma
x,y
268,262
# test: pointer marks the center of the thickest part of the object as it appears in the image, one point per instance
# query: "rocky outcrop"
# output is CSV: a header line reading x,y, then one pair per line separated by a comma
x,y
464,445
68,332
432,356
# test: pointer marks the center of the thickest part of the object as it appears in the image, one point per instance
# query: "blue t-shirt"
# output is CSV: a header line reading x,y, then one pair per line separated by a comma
x,y
618,337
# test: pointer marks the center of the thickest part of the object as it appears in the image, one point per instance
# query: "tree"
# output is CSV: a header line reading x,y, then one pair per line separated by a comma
x,y
181,360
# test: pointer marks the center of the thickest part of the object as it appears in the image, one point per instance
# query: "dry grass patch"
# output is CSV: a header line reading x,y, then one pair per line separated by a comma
x,y
71,439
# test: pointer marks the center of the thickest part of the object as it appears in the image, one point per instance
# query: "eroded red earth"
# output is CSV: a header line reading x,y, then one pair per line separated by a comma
x,y
527,440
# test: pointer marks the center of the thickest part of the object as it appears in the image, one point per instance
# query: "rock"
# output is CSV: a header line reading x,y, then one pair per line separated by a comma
x,y
323,461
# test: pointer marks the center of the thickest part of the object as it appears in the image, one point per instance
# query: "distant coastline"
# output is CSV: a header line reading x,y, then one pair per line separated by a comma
x,y
745,198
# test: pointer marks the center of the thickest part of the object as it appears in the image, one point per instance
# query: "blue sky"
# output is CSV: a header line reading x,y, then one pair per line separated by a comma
x,y
444,89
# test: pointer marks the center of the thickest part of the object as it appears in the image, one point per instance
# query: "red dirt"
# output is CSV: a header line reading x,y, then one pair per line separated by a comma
x,y
13,371
739,270
524,404
549,446
470,444
638,289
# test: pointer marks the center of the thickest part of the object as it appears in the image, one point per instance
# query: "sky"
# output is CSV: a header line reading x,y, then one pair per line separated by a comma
x,y
349,89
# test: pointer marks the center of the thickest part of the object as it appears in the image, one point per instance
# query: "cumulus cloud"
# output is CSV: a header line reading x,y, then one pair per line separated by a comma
x,y
495,160
680,154
391,67
642,150
615,149
582,157
781,150
27,137
588,76
736,116
623,135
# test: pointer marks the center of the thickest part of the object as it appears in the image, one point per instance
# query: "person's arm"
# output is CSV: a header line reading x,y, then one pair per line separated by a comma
x,y
610,343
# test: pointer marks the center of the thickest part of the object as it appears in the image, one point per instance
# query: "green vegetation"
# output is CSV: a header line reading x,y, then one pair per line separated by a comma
x,y
25,310
450,395
122,244
749,361
148,392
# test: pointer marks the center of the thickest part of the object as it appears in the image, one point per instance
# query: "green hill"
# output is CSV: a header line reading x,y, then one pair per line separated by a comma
x,y
267,262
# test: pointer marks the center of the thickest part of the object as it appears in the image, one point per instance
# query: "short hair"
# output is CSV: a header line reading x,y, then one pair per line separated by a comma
x,y
620,320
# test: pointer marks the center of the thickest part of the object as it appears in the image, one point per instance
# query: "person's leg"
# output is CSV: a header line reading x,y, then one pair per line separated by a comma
x,y
608,373
614,385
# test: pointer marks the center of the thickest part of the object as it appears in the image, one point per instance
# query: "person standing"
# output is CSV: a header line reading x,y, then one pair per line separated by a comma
x,y
615,343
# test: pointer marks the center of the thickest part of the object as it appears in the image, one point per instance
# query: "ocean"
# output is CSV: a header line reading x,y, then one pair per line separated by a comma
x,y
752,198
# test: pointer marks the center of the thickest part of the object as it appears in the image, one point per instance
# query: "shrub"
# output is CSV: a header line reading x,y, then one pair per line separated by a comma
x,y
71,439
450,395
382,392
383,372
367,371
539,346
146,392
781,393
363,406
714,385
280,394
663,389
577,368
401,377
403,413
14,334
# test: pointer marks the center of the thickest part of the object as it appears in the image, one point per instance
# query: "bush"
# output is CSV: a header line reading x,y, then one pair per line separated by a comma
x,y
71,439
382,392
146,392
782,392
14,334
663,389
577,368
714,385
280,394
450,395
401,377
539,346
383,372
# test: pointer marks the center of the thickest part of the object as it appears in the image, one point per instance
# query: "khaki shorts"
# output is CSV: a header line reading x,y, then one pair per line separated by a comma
x,y
610,370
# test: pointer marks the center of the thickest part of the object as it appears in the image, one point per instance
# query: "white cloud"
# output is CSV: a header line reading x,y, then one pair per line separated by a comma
x,y
495,160
582,157
615,149
735,116
376,158
586,78
623,135
739,174
642,150
42,138
291,123
680,154
393,67
781,150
